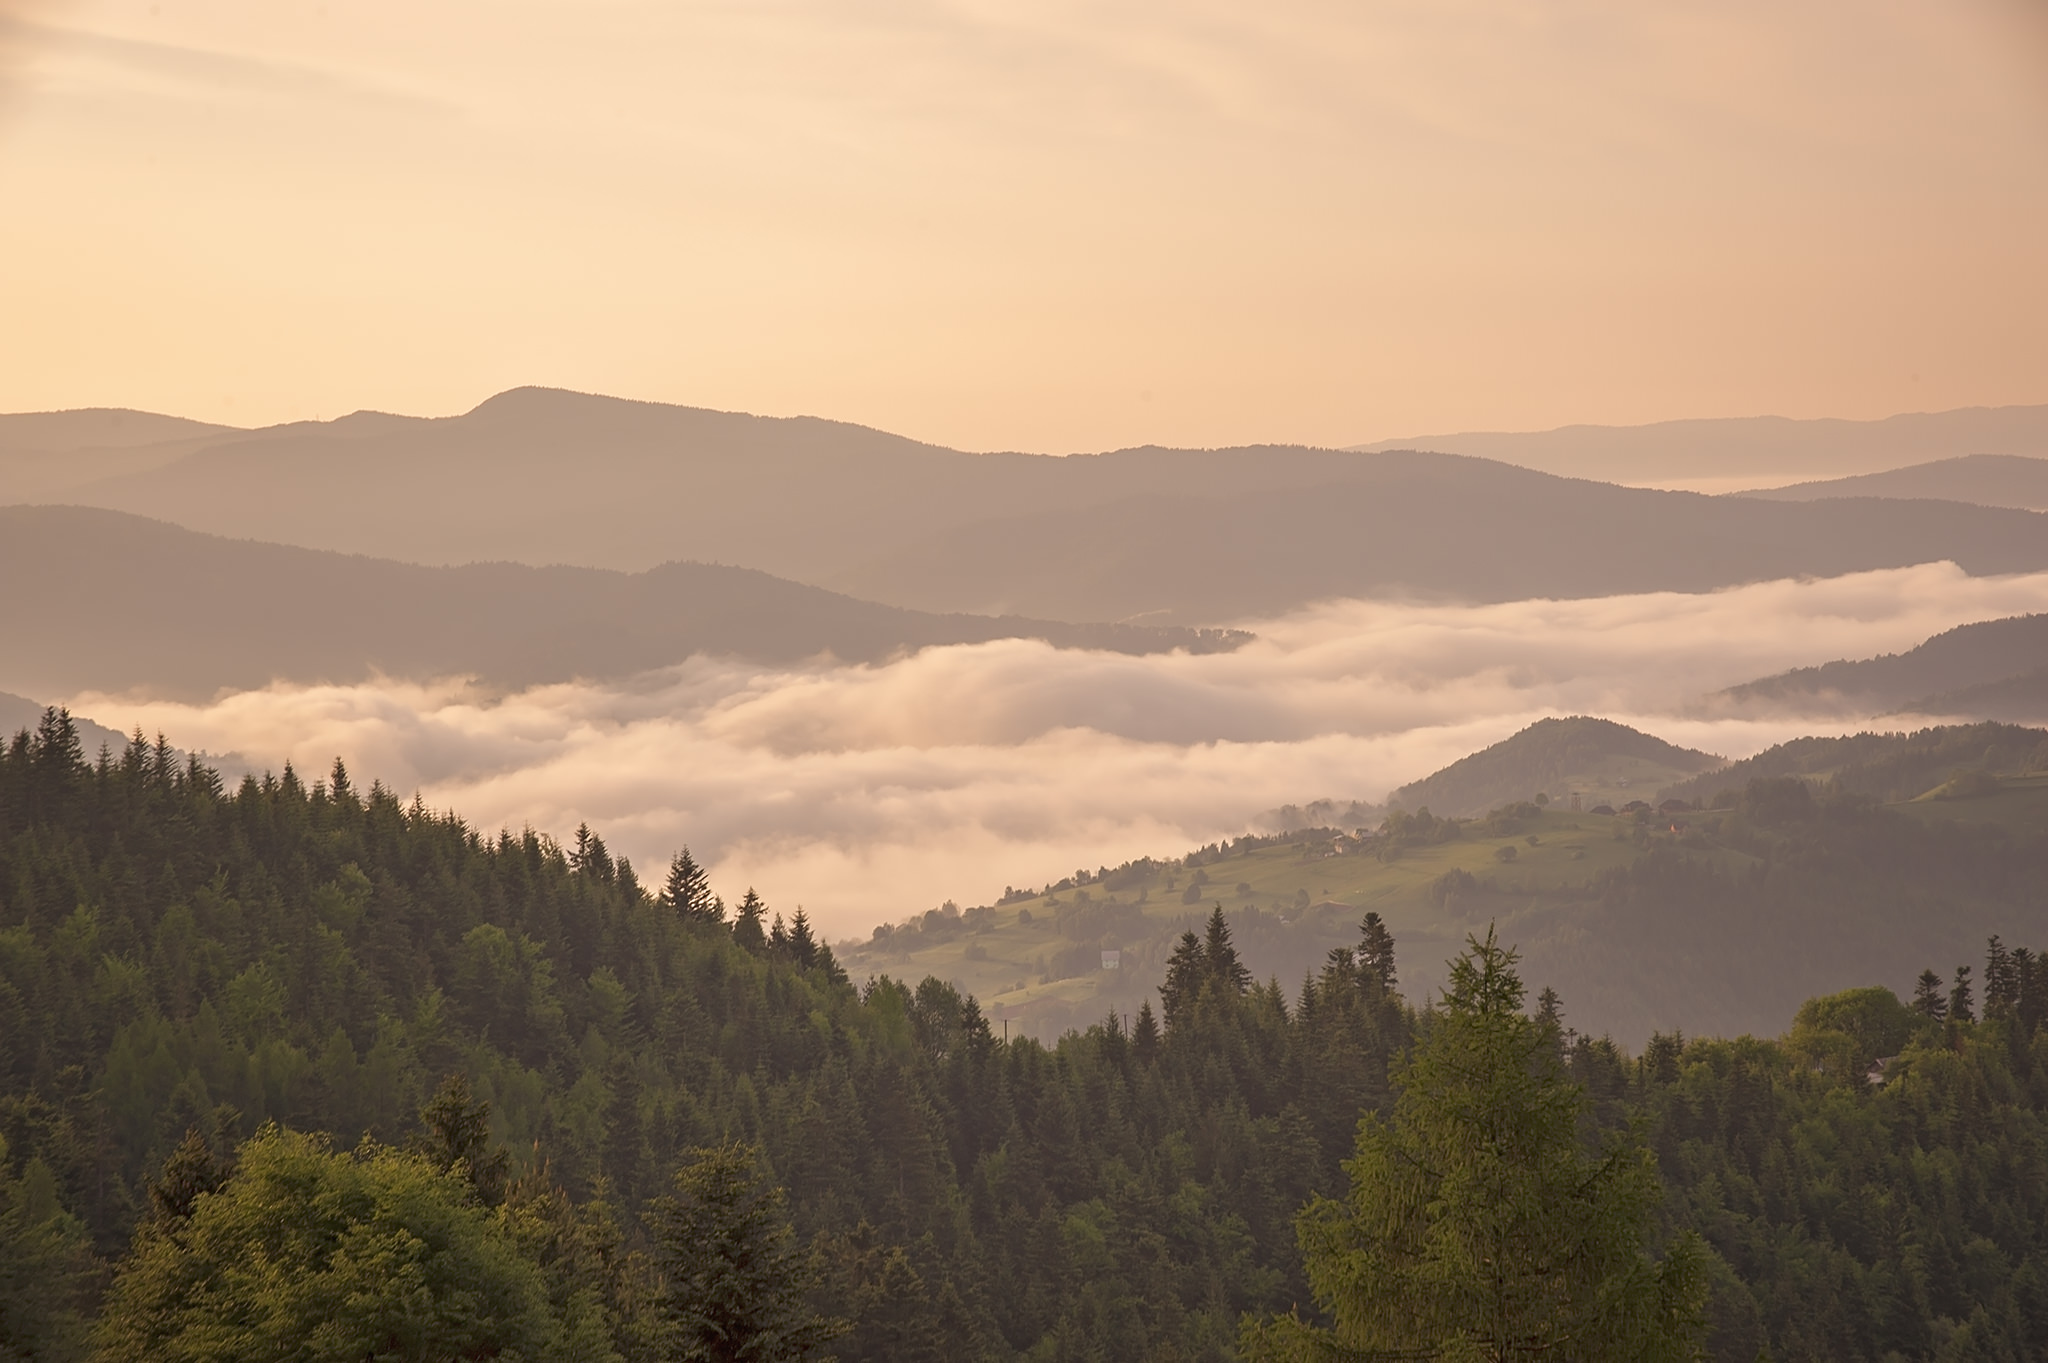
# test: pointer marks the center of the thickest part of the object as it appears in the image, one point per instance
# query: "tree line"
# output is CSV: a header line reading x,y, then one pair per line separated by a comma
x,y
539,1102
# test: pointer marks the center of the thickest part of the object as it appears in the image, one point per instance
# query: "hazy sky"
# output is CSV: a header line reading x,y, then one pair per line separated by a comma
x,y
869,793
1047,224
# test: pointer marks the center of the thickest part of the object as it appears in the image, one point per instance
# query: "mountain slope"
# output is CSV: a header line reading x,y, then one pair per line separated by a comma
x,y
1196,536
1887,766
121,602
1981,479
1597,759
1944,671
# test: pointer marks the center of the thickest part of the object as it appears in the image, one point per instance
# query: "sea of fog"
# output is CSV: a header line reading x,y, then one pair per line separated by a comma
x,y
868,793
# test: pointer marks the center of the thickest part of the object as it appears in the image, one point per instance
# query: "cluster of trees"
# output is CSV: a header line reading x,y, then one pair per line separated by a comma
x,y
221,1008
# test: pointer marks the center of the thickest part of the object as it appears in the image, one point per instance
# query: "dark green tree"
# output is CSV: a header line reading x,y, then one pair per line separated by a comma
x,y
747,928
1478,1226
456,1136
687,893
1961,1007
1928,997
734,1284
1219,954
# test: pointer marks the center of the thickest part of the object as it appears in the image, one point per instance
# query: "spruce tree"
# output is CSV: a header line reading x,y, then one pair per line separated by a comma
x,y
734,1284
1220,955
803,944
688,892
1960,1006
1183,982
1376,953
456,1136
1928,998
747,929
1478,1226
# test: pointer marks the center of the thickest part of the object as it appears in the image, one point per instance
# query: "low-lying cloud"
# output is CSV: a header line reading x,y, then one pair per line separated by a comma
x,y
868,793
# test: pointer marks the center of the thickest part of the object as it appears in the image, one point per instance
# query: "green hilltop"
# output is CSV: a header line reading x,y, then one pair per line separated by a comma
x,y
1595,759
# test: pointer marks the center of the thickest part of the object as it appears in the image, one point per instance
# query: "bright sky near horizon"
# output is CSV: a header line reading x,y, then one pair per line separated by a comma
x,y
1063,224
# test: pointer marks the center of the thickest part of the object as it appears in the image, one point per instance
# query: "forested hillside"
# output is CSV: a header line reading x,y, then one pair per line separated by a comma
x,y
181,965
1941,676
1891,766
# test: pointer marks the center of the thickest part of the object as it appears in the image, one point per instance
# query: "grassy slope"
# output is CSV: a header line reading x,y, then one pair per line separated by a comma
x,y
1002,955
1278,936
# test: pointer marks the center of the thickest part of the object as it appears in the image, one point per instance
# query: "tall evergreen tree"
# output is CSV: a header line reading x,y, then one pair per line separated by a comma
x,y
456,1136
803,944
734,1284
1960,1006
1219,954
747,928
687,893
1376,953
1185,969
1477,1227
1928,997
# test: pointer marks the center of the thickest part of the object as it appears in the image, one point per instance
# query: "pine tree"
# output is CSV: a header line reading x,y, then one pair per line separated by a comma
x,y
1477,1227
734,1284
1960,1007
457,1136
2001,981
688,892
1183,983
1376,953
1219,954
1145,1034
1928,997
746,927
803,946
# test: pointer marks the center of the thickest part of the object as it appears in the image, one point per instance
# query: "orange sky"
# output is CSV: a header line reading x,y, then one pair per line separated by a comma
x,y
1053,224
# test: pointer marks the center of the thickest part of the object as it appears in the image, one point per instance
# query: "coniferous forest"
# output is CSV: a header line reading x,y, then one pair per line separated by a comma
x,y
300,1070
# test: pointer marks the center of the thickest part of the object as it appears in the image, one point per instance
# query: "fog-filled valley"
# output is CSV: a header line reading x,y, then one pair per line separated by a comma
x,y
549,838
957,682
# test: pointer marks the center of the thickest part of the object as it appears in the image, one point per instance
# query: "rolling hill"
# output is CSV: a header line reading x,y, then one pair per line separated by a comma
x,y
1719,920
1987,670
2009,480
119,602
1596,759
1185,536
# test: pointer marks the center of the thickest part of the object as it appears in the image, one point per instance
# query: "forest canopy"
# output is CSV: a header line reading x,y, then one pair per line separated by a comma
x,y
508,1070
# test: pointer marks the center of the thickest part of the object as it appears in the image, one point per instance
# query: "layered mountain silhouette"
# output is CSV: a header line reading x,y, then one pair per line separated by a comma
x,y
120,602
541,476
1727,447
1994,669
1982,479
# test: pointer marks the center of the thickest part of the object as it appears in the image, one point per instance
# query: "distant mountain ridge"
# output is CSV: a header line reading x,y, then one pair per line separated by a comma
x,y
1988,669
124,603
1764,446
2008,480
1596,759
542,476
